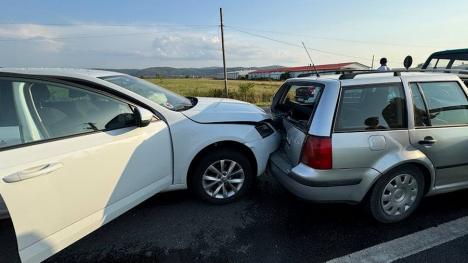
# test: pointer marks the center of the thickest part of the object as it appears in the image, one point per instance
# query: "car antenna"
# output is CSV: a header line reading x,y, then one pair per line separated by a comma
x,y
313,65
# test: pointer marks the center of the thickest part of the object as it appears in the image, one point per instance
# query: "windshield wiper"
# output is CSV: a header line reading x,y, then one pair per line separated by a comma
x,y
91,126
184,107
193,102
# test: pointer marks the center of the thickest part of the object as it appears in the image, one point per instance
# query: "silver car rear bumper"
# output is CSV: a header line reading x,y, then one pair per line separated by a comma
x,y
336,185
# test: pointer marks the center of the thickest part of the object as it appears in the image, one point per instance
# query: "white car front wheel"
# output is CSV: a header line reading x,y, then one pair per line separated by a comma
x,y
222,176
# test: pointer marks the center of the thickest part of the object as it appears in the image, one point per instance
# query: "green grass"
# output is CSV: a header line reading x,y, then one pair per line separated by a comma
x,y
261,94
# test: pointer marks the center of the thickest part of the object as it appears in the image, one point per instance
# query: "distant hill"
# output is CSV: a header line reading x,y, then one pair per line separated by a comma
x,y
182,72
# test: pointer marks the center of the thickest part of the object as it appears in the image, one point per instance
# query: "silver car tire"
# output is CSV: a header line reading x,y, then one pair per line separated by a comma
x,y
396,194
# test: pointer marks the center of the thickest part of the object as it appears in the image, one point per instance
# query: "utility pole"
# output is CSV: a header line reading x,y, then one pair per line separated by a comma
x,y
372,67
224,56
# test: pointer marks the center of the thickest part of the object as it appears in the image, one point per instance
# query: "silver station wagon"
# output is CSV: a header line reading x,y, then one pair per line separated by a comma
x,y
385,139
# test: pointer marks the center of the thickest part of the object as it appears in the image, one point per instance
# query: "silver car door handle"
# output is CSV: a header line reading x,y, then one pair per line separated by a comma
x,y
32,172
428,140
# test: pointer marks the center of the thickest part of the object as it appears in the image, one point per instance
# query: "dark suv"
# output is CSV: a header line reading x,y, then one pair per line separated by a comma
x,y
450,61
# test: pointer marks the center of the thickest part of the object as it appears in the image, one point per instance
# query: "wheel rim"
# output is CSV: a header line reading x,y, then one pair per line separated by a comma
x,y
399,194
223,179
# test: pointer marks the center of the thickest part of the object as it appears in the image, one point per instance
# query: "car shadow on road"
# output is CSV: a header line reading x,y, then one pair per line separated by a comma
x,y
268,225
8,245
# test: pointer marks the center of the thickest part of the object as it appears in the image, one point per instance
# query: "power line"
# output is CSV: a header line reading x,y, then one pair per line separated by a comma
x,y
109,25
234,27
168,26
337,39
296,45
71,37
266,37
194,27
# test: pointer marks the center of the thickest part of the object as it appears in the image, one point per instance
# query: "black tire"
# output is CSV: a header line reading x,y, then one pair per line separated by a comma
x,y
197,184
374,202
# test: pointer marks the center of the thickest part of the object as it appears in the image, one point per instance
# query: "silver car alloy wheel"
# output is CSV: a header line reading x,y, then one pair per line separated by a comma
x,y
399,194
223,179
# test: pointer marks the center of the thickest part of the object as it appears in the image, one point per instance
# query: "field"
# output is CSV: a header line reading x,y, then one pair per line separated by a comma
x,y
258,92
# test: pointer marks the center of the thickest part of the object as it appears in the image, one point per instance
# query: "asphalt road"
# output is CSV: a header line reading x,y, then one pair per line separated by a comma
x,y
269,225
453,251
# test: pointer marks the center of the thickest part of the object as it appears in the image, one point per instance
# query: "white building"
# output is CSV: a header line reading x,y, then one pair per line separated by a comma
x,y
296,71
239,74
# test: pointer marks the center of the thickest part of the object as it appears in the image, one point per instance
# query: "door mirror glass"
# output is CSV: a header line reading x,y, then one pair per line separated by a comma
x,y
144,116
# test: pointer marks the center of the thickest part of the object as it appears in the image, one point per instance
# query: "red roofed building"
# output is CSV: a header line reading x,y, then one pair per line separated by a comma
x,y
296,71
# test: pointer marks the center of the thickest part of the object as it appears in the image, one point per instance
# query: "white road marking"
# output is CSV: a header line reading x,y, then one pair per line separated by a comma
x,y
409,245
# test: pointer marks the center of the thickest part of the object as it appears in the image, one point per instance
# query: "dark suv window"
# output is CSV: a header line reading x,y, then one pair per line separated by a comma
x,y
371,107
439,104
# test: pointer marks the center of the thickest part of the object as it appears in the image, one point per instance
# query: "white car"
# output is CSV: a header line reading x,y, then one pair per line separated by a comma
x,y
80,147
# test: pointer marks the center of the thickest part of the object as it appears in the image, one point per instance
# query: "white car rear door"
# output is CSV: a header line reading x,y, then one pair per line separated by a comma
x,y
73,160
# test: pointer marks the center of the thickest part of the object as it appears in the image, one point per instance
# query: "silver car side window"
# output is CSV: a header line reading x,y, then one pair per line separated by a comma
x,y
421,115
371,107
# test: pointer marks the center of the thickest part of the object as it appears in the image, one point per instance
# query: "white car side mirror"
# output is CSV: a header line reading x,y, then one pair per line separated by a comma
x,y
144,116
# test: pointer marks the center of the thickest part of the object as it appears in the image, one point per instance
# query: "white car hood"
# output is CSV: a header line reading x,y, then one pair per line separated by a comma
x,y
210,110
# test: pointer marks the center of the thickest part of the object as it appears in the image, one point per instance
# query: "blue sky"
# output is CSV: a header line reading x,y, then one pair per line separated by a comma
x,y
137,34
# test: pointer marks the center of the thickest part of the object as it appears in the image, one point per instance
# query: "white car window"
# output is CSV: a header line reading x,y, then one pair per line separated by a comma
x,y
153,92
10,123
36,110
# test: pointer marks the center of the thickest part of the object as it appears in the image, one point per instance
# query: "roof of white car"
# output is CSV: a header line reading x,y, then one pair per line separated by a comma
x,y
66,72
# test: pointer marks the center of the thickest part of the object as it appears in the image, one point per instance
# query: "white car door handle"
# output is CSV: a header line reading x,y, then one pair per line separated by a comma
x,y
32,172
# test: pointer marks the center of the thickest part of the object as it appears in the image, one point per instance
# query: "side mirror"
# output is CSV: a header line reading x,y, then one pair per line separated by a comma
x,y
143,116
408,62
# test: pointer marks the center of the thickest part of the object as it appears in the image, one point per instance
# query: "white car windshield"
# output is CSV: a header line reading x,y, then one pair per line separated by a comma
x,y
153,92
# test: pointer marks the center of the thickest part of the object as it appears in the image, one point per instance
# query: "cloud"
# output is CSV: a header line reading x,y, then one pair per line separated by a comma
x,y
43,36
188,46
95,45
26,31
